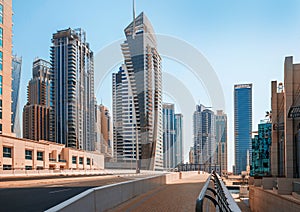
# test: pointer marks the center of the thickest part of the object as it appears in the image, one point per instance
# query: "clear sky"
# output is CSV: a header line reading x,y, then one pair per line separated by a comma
x,y
244,41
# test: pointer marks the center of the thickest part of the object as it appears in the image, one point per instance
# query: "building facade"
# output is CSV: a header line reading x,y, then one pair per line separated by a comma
x,y
72,90
169,136
5,67
204,136
179,157
285,154
142,73
19,155
242,125
16,76
37,110
221,140
261,150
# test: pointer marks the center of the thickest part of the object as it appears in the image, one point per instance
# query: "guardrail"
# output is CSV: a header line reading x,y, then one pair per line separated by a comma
x,y
221,197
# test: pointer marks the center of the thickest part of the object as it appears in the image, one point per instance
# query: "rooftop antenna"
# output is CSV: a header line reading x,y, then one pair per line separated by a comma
x,y
133,23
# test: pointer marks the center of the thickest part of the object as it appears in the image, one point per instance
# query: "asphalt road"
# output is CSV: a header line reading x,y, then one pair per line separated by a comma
x,y
40,195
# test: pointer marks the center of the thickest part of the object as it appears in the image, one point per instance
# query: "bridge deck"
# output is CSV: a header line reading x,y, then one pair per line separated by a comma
x,y
179,195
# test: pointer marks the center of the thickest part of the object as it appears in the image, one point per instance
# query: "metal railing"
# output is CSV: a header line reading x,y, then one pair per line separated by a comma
x,y
221,197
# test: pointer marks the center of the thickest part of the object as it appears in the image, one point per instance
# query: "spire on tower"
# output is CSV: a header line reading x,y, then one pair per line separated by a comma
x,y
133,25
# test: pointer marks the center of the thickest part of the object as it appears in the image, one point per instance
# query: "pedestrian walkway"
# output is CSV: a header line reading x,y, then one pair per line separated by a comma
x,y
179,195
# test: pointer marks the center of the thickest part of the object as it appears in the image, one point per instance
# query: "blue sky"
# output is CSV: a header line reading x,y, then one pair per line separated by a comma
x,y
244,41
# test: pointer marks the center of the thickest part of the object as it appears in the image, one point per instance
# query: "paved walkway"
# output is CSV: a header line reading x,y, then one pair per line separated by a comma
x,y
179,195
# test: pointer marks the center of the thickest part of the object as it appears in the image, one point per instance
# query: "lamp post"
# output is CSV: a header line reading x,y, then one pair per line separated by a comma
x,y
137,169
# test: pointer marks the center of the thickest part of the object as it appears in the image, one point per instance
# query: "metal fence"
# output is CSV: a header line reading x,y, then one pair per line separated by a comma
x,y
214,196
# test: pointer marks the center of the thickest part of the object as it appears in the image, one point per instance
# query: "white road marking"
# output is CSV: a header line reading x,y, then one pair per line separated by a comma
x,y
57,191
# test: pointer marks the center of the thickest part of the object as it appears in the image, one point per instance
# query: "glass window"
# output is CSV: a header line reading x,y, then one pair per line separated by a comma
x,y
6,167
88,161
7,152
1,61
80,160
0,84
1,37
40,156
1,14
28,167
0,128
74,159
28,154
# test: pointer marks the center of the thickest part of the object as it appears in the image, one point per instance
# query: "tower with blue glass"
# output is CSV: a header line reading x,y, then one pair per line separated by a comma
x,y
242,125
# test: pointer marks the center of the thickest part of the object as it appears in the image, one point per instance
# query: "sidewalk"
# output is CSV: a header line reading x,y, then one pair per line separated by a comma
x,y
180,195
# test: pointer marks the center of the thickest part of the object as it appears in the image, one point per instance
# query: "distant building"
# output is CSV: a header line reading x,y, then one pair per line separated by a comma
x,y
242,125
72,90
37,109
179,155
6,67
204,136
221,139
16,76
261,150
191,156
285,154
169,136
104,131
137,98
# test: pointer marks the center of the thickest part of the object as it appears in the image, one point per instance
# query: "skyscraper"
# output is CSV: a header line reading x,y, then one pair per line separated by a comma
x,y
179,158
16,75
169,136
37,110
5,66
221,139
242,125
261,149
142,72
72,90
204,136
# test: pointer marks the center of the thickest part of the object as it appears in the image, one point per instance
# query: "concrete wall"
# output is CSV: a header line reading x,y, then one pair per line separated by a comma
x,y
262,200
106,197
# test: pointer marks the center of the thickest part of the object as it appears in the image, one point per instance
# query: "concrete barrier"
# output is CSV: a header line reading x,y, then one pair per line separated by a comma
x,y
268,182
109,196
267,200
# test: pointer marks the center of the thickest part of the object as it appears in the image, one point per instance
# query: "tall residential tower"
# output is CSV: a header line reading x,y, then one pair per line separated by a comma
x,y
72,90
141,109
221,140
37,110
16,76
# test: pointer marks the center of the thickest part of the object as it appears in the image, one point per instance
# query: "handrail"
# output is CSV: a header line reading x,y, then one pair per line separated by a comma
x,y
220,198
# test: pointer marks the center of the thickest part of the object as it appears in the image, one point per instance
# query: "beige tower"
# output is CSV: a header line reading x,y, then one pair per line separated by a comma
x,y
5,66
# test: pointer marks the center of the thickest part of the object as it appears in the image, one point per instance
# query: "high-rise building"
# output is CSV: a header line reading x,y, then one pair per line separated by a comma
x,y
5,66
104,129
16,76
242,125
37,110
72,90
179,157
169,136
285,154
221,139
137,89
261,149
204,136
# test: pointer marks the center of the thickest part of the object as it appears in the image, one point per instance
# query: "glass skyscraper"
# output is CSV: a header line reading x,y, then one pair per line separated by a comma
x,y
16,75
179,139
204,136
169,136
242,125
